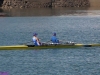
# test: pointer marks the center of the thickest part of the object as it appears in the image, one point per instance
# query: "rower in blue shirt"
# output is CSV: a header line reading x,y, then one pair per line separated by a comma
x,y
54,39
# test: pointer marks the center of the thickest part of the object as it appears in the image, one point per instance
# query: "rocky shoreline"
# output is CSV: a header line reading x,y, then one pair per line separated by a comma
x,y
44,3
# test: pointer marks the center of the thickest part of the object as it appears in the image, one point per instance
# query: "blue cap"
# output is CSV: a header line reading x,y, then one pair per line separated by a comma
x,y
35,34
54,34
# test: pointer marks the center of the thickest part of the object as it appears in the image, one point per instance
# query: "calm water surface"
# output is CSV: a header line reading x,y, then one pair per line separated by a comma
x,y
80,29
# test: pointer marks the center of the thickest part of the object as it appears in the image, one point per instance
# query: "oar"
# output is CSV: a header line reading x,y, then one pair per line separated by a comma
x,y
60,41
45,43
48,41
66,42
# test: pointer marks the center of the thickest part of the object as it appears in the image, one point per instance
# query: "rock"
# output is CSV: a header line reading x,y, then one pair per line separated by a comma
x,y
44,3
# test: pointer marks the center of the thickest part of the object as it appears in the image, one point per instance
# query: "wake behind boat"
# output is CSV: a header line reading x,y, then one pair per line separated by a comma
x,y
47,46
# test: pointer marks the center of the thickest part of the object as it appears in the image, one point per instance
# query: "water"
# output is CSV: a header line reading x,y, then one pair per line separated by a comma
x,y
78,28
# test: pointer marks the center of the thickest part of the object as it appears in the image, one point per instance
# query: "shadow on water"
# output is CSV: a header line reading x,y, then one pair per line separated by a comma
x,y
1,10
3,14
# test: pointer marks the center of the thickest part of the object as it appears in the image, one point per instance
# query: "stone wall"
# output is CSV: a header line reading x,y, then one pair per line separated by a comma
x,y
95,3
44,3
70,3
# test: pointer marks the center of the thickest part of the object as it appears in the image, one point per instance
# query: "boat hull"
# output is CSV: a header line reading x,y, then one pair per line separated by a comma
x,y
54,46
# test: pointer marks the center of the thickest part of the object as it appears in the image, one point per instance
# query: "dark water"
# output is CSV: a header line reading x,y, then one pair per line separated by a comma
x,y
80,28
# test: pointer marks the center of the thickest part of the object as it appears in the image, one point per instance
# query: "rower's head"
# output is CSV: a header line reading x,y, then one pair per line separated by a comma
x,y
54,34
35,34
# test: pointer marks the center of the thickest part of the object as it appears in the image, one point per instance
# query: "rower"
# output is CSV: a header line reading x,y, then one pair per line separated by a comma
x,y
36,40
54,39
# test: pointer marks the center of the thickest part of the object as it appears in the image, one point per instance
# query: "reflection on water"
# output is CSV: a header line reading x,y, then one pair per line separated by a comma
x,y
52,11
2,13
1,10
